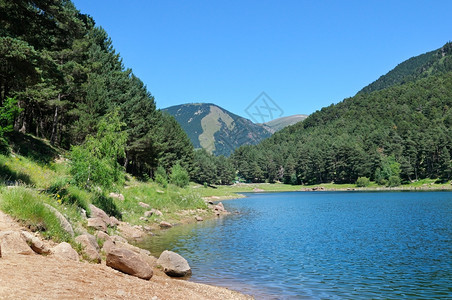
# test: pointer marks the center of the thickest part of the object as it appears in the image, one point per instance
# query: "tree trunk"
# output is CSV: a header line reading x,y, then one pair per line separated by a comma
x,y
55,123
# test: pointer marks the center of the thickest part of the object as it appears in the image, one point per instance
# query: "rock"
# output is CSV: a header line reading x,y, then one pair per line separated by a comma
x,y
157,212
143,219
99,213
12,242
97,223
63,222
164,224
219,207
117,196
65,251
199,219
144,205
102,236
90,247
108,245
173,264
83,213
256,190
148,213
35,243
114,222
117,238
130,232
160,191
129,262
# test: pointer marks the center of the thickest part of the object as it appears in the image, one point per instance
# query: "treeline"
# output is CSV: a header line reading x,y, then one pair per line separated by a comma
x,y
63,76
398,134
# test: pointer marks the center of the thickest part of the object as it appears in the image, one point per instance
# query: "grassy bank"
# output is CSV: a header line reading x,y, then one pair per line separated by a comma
x,y
234,191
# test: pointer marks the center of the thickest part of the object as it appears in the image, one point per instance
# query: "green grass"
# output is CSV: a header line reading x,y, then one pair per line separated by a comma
x,y
28,206
168,200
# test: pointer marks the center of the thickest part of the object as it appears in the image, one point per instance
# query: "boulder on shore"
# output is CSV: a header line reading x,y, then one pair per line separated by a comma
x,y
97,223
128,262
90,247
96,212
173,264
63,221
65,251
164,224
35,243
12,242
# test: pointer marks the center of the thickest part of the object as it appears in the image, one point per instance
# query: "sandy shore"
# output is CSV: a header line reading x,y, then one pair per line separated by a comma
x,y
48,277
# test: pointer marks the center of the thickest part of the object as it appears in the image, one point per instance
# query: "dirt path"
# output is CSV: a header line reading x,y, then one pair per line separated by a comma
x,y
48,277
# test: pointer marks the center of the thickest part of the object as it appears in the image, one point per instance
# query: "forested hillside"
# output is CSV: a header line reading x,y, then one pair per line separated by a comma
x,y
60,75
400,133
421,66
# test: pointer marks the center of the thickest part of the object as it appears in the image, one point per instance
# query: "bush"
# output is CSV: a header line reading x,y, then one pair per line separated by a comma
x,y
161,177
179,176
363,182
393,181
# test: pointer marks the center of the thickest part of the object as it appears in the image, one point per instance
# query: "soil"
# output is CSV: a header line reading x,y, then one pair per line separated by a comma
x,y
47,277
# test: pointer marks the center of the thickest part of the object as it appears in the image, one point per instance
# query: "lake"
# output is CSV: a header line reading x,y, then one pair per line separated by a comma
x,y
324,245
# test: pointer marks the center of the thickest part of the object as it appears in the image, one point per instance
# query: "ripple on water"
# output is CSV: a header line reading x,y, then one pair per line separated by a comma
x,y
324,246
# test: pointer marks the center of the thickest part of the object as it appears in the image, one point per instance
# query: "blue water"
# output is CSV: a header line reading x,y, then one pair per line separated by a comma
x,y
324,245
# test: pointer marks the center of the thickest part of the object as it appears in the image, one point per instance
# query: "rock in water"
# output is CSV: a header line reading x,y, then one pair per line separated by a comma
x,y
12,242
65,251
129,262
90,247
173,264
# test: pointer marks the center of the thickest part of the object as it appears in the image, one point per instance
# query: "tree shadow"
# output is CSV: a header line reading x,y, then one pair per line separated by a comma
x,y
11,177
32,148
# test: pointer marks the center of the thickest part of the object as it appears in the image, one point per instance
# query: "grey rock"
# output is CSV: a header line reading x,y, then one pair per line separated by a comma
x,y
144,205
99,213
63,221
164,224
117,196
173,264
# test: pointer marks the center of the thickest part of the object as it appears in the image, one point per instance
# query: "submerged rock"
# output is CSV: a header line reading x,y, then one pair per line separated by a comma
x,y
173,264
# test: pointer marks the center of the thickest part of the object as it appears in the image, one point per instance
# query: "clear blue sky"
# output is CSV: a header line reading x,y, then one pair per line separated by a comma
x,y
304,54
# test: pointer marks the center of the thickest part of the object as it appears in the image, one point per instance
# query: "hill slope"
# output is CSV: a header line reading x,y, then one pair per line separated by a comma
x,y
402,132
421,66
215,129
280,123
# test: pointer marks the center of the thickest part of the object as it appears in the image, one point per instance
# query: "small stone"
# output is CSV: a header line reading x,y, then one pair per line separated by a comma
x,y
157,212
144,205
148,213
219,207
102,236
117,196
164,224
199,219
143,219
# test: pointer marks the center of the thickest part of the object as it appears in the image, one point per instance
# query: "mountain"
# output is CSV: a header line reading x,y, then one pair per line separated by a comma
x,y
398,129
421,66
280,123
215,129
